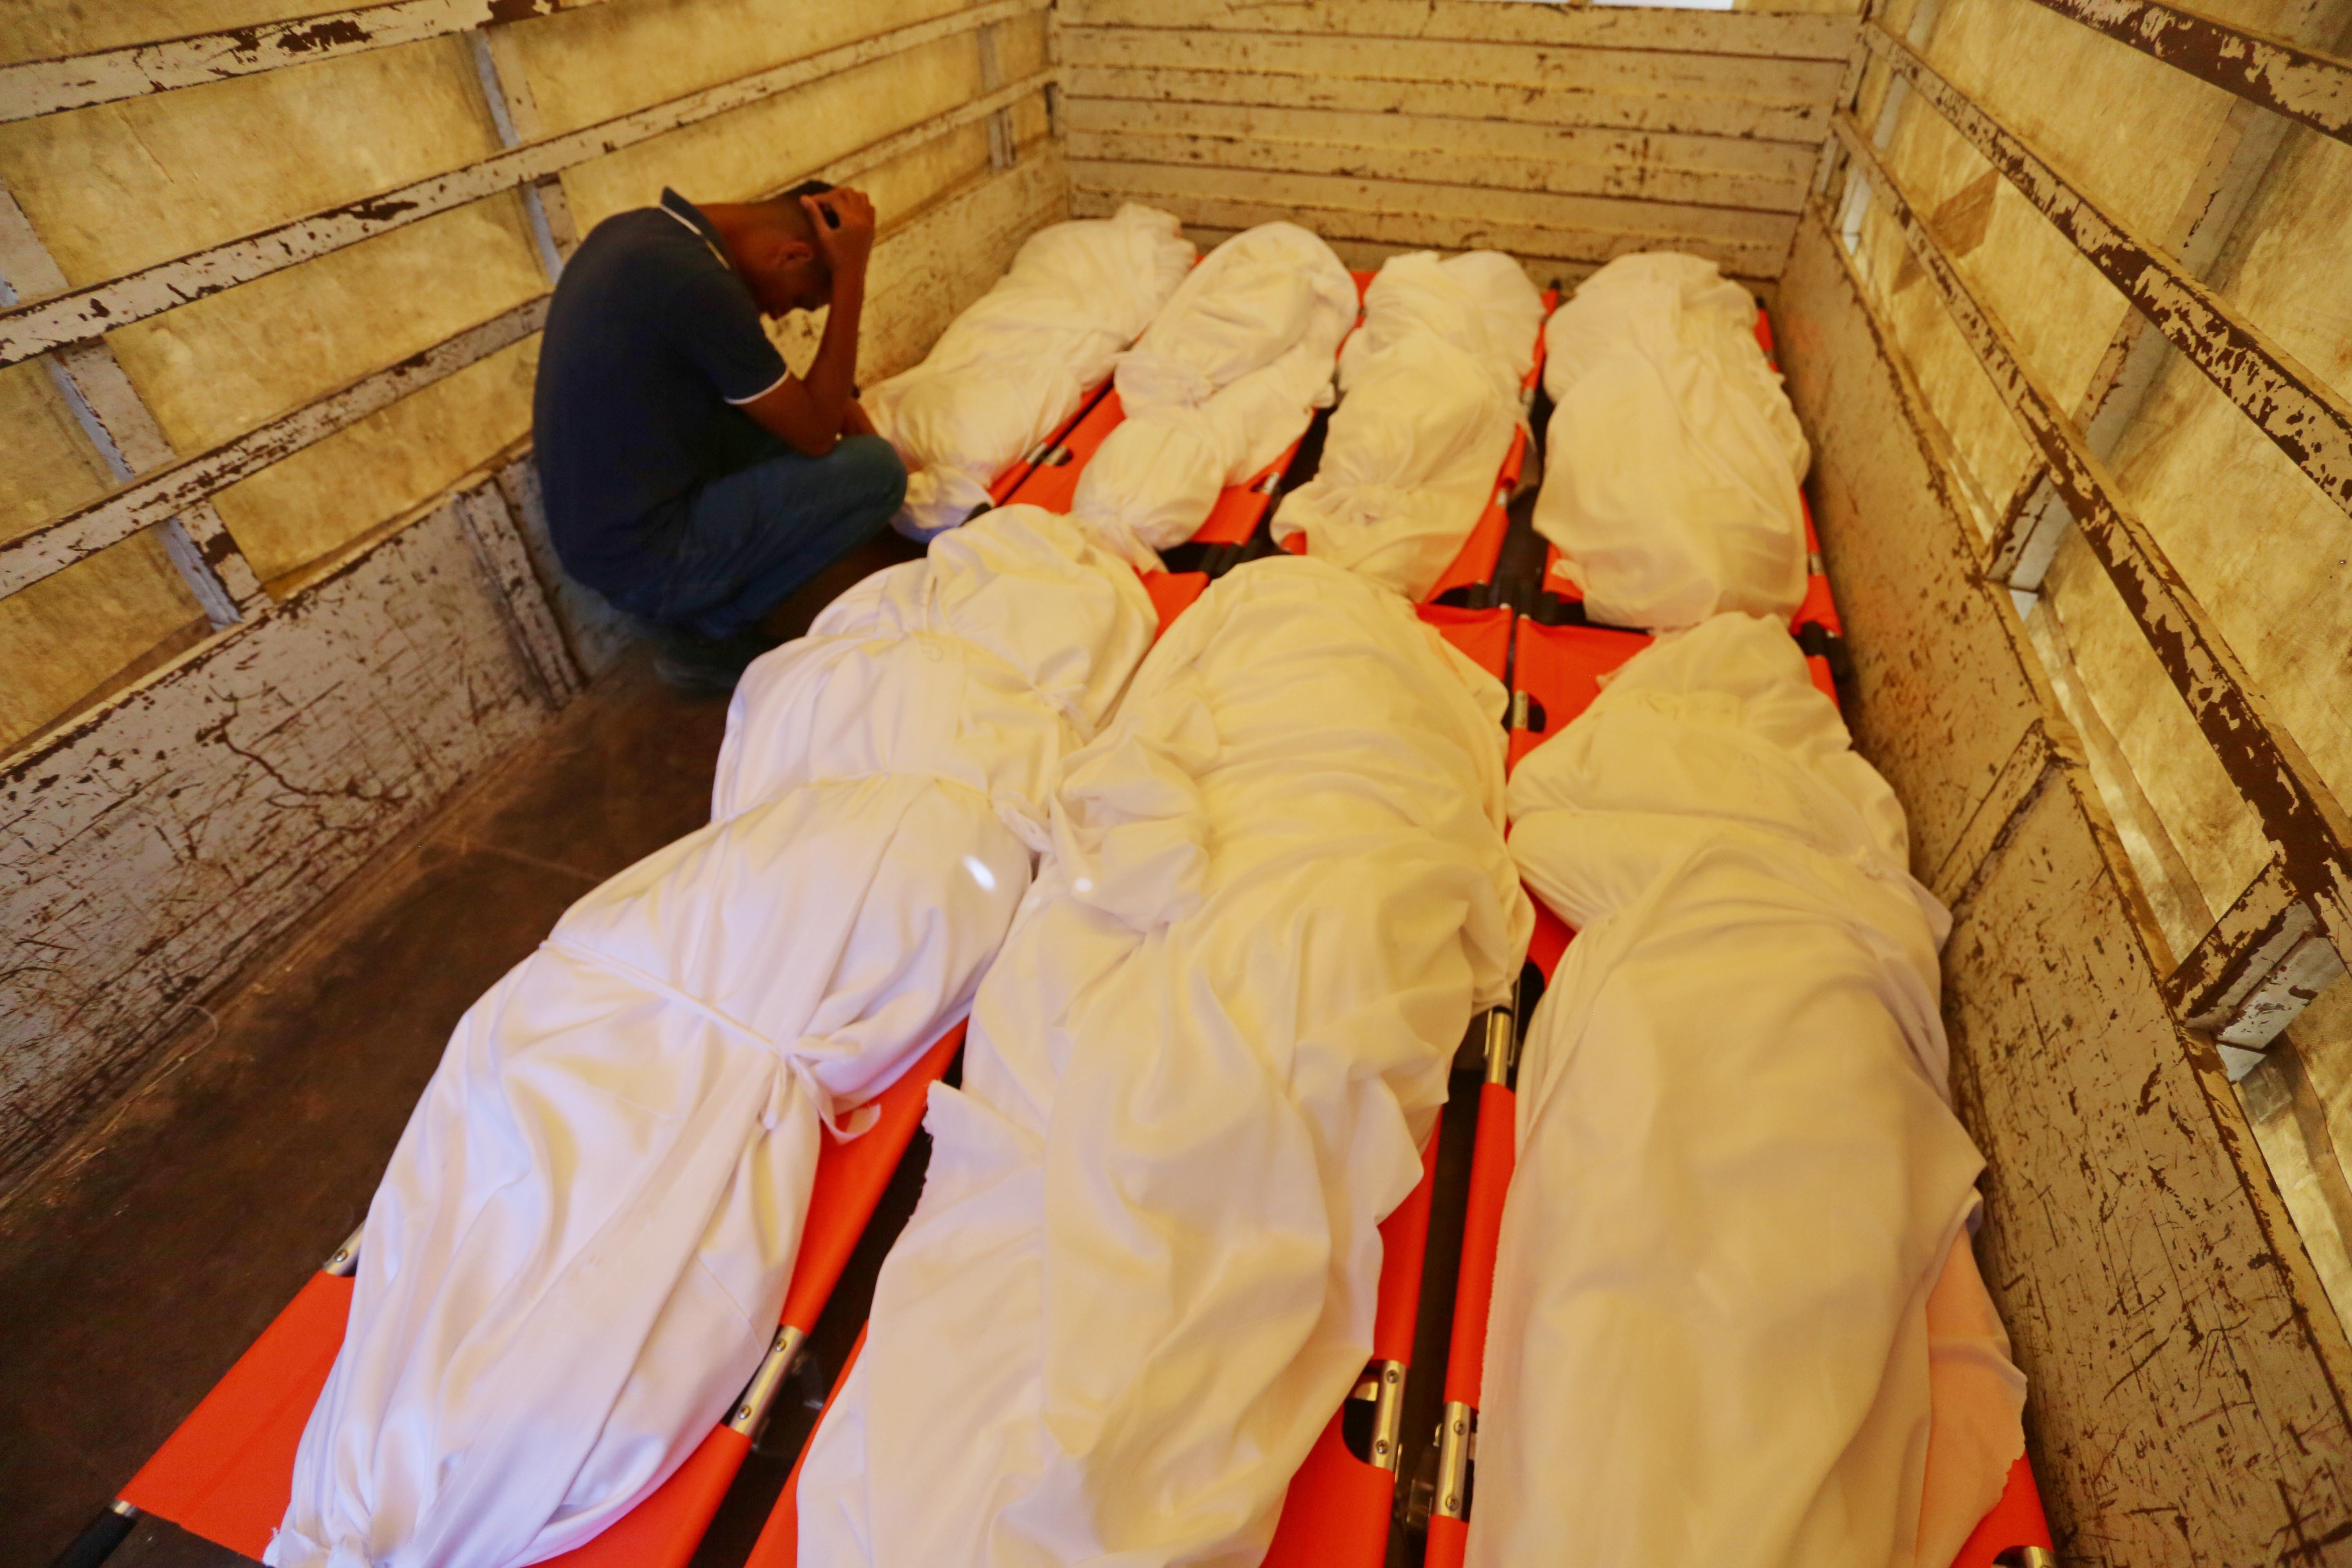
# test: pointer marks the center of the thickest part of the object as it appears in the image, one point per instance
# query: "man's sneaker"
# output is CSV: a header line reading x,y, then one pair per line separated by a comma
x,y
705,665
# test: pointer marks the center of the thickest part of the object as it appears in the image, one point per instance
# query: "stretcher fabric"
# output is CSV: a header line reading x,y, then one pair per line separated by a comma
x,y
1739,1181
579,1253
1429,400
1144,1269
1674,456
1226,377
1012,368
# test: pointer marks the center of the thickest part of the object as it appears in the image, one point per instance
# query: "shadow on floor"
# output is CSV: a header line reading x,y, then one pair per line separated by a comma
x,y
138,1266
136,1269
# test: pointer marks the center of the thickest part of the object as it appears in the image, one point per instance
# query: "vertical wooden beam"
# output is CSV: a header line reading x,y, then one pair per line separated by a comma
x,y
1002,150
2299,815
123,430
506,89
497,547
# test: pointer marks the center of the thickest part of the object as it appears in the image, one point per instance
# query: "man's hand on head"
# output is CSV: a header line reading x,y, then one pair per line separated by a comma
x,y
844,222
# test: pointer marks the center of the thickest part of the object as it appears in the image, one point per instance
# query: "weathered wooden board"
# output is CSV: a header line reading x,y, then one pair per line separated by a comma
x,y
2264,762
2277,73
1628,73
1795,36
1470,100
133,296
1715,171
1449,217
2186,1374
165,491
1941,700
2308,420
2186,1399
155,844
32,88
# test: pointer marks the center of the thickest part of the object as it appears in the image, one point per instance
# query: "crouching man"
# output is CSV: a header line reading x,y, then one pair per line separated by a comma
x,y
690,478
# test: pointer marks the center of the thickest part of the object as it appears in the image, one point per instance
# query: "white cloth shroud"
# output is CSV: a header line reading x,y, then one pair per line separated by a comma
x,y
579,1252
1143,1270
1738,1174
1227,375
1430,394
1011,370
1673,458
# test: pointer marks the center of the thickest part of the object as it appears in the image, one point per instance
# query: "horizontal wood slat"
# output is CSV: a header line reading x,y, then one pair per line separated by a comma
x,y
1792,35
2277,73
1602,110
33,88
86,313
2298,813
1713,171
1624,73
167,491
2306,419
160,493
1445,217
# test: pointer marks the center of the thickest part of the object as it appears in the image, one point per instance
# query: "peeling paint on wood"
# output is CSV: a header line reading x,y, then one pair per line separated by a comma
x,y
1666,81
34,88
1468,98
172,489
86,313
2186,1374
163,838
2305,86
2302,416
2298,813
1447,218
1791,35
530,624
1942,701
181,486
1486,154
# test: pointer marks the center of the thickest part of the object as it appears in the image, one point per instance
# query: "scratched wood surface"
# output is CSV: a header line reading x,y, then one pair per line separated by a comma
x,y
187,821
148,850
1564,135
1940,699
2188,1376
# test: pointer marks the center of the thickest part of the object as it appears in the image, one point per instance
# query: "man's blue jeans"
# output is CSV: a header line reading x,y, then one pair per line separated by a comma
x,y
751,538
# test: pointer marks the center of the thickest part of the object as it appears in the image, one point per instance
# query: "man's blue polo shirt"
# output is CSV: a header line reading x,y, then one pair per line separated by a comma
x,y
652,339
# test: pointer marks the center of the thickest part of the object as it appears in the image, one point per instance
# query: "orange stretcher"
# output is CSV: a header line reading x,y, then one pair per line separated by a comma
x,y
1338,1511
226,1473
1473,571
1557,671
1815,626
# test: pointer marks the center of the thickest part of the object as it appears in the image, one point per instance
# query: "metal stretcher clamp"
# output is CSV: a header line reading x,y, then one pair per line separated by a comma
x,y
1382,1389
750,1412
1457,1450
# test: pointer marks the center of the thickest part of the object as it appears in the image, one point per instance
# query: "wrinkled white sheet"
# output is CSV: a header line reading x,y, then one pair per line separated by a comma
x,y
1143,1270
1429,397
1738,1174
579,1252
1009,371
1227,375
1672,459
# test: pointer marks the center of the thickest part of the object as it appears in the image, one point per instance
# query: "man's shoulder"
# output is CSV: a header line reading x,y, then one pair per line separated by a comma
x,y
646,234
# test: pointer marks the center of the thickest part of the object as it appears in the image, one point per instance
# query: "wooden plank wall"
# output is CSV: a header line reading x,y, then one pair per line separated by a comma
x,y
1566,135
2189,1377
176,797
